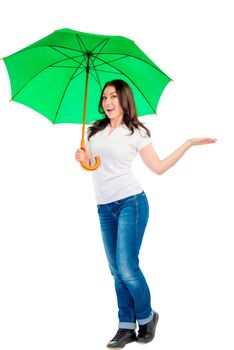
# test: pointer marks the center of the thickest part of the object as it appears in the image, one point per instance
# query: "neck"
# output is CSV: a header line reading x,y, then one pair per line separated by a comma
x,y
115,124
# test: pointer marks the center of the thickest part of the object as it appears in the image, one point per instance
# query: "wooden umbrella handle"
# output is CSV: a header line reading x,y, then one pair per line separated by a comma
x,y
90,167
93,167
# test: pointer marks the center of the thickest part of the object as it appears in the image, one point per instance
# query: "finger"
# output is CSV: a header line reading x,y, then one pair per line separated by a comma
x,y
85,149
212,140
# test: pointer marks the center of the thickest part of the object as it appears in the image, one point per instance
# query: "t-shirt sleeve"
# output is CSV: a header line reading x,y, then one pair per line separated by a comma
x,y
142,139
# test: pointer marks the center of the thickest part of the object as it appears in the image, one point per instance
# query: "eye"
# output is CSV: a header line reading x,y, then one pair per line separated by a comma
x,y
104,97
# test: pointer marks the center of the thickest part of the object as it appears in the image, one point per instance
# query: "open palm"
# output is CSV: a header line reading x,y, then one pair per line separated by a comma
x,y
202,141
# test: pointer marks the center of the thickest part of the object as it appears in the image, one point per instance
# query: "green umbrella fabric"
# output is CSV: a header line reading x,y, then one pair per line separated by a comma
x,y
49,76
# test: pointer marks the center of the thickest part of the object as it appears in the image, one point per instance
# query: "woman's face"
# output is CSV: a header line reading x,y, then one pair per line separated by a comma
x,y
111,105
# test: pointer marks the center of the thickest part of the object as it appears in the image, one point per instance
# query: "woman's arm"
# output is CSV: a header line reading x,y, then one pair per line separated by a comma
x,y
152,161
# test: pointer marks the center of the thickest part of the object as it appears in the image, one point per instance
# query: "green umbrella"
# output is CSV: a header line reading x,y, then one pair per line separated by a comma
x,y
61,76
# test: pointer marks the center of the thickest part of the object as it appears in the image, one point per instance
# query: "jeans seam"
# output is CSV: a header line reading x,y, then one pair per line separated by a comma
x,y
146,203
137,211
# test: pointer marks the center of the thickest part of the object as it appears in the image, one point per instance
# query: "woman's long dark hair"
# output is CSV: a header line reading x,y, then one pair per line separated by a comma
x,y
126,100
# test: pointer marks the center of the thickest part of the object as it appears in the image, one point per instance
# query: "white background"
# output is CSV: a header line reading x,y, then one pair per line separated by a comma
x,y
56,290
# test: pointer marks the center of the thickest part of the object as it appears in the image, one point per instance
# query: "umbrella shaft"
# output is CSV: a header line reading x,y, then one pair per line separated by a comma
x,y
85,102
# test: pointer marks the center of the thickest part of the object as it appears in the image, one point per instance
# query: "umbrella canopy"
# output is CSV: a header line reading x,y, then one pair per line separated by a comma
x,y
62,75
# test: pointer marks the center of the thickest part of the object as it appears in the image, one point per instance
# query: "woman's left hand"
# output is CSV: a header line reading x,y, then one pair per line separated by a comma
x,y
201,141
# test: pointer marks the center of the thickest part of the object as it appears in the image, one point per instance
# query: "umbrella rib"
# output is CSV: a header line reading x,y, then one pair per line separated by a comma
x,y
50,66
131,81
64,92
116,59
84,70
82,42
63,67
64,47
71,58
51,46
140,59
97,78
29,82
102,70
104,42
65,59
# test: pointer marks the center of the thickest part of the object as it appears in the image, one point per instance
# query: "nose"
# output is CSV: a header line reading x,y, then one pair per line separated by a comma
x,y
108,101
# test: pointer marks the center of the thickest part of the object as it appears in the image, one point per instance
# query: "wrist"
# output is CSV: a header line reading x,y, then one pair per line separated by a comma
x,y
189,143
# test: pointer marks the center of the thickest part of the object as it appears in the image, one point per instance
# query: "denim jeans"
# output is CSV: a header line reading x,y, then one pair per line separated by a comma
x,y
123,224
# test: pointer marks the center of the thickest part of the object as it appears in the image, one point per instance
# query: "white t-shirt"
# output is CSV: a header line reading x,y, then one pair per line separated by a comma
x,y
113,179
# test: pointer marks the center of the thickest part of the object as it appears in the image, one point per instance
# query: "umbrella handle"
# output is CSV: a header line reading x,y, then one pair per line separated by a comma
x,y
89,167
93,167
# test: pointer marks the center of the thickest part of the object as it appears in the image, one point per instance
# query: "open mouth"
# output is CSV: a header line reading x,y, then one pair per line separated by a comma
x,y
110,109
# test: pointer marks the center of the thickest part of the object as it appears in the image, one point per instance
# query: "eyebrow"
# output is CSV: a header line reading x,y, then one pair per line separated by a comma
x,y
114,92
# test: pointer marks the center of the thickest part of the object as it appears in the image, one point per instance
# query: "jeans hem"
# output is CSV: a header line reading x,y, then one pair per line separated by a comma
x,y
146,320
127,325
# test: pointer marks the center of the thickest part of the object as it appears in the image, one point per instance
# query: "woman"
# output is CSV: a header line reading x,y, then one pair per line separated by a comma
x,y
122,204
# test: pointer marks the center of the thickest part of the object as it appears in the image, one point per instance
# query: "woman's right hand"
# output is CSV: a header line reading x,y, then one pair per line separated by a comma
x,y
82,155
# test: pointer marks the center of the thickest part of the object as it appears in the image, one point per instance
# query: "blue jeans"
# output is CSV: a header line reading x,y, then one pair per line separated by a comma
x,y
123,224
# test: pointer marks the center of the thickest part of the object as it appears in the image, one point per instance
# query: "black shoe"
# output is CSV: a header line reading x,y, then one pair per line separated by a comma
x,y
147,331
122,337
